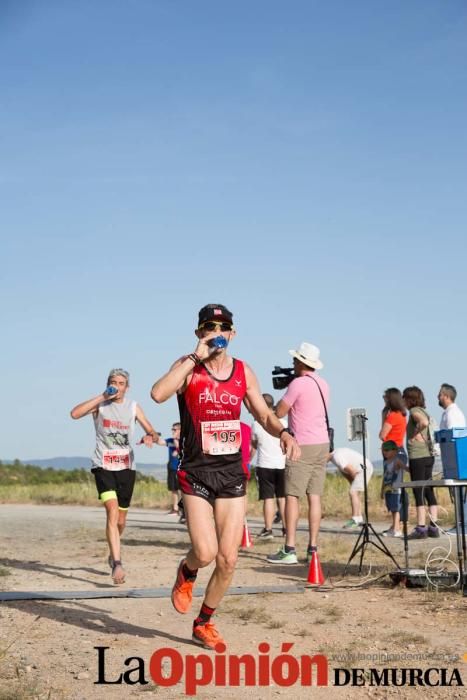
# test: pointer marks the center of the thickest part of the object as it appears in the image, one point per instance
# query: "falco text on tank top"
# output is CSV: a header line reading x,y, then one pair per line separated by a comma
x,y
114,426
210,416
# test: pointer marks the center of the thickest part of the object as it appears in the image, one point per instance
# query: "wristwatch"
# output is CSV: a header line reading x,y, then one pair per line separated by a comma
x,y
287,430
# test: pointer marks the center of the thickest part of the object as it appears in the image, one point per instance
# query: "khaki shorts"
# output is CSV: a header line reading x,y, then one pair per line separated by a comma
x,y
307,474
358,484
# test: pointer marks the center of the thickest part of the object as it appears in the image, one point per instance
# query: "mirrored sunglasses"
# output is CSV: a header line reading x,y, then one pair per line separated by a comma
x,y
215,325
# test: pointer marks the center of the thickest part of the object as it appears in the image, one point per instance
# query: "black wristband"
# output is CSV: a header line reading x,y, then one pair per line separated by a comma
x,y
287,430
194,358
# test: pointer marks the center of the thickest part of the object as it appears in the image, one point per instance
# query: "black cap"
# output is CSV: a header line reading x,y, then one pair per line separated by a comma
x,y
214,312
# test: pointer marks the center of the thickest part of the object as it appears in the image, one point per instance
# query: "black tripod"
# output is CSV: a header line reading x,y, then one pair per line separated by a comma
x,y
364,536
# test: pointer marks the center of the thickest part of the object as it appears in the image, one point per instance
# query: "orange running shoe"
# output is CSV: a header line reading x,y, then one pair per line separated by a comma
x,y
182,592
207,636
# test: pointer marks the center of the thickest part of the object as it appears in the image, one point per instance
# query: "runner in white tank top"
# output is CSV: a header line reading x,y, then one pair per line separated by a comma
x,y
113,460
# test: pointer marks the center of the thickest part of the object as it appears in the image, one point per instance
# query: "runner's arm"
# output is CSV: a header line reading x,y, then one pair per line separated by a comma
x,y
173,381
87,407
178,376
267,418
151,435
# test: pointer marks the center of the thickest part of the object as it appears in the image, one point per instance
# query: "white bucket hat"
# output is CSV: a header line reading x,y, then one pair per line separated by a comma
x,y
309,355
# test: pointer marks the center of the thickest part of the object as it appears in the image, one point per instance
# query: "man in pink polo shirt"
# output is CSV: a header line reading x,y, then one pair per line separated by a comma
x,y
305,402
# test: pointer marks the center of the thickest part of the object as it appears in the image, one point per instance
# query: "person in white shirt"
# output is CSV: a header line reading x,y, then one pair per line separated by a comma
x,y
270,471
452,417
349,463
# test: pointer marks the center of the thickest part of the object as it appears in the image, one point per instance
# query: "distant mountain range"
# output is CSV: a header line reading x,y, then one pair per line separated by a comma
x,y
151,468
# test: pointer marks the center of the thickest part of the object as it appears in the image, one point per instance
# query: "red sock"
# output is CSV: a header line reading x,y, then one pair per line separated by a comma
x,y
204,616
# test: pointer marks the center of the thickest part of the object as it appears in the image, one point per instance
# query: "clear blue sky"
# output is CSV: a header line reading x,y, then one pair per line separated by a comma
x,y
303,163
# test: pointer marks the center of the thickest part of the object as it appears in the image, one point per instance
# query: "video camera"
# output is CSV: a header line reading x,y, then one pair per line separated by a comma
x,y
282,376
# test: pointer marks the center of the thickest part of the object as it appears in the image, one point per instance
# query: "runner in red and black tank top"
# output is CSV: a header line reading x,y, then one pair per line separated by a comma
x,y
208,399
211,475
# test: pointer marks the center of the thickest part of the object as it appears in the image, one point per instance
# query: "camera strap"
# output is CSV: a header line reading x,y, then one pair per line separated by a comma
x,y
322,399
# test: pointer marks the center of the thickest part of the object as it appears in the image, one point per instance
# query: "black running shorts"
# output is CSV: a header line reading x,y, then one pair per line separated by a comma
x,y
172,479
271,483
118,485
212,484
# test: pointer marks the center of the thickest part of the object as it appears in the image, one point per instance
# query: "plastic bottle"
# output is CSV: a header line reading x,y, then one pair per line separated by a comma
x,y
219,342
111,390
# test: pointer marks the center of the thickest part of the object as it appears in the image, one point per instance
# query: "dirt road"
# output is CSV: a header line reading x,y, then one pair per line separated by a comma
x,y
48,647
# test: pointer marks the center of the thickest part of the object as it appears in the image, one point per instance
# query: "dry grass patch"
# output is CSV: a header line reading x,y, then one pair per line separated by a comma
x,y
256,615
332,612
275,624
402,637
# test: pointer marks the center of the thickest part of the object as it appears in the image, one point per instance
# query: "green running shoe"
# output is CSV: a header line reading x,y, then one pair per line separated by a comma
x,y
282,557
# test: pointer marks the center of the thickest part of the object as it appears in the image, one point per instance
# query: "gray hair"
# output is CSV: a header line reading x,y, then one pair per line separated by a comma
x,y
449,390
118,371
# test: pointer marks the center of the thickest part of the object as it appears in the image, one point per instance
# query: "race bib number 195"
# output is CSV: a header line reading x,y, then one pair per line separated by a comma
x,y
221,437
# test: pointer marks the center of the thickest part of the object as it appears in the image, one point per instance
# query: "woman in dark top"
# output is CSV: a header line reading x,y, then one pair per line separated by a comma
x,y
421,461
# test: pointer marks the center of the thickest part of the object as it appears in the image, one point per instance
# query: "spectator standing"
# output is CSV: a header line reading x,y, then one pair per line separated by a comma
x,y
349,463
173,445
305,403
452,417
269,472
394,421
421,461
393,475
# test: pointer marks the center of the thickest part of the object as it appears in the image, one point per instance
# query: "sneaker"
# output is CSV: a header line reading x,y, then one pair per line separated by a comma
x,y
265,535
418,533
277,518
433,531
206,636
282,557
173,512
351,524
182,520
392,533
452,532
182,591
388,533
284,532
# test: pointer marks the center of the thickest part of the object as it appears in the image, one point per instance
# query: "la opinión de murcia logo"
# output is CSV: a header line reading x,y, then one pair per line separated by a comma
x,y
167,667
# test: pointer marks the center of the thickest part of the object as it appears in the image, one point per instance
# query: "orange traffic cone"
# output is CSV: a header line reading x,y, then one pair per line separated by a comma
x,y
315,572
246,539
